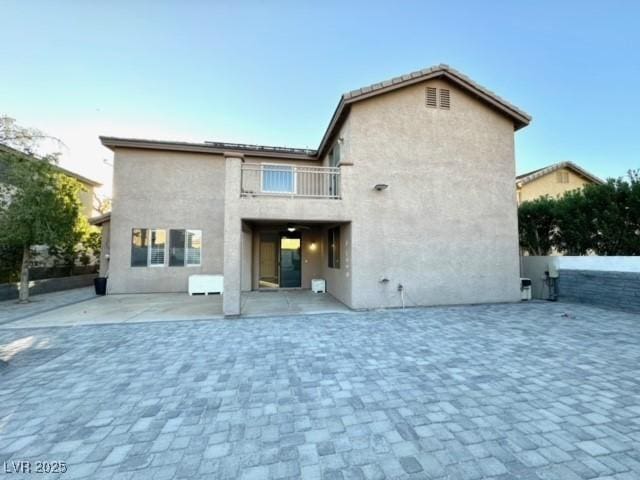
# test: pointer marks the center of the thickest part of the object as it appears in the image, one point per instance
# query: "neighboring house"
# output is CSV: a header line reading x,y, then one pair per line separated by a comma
x,y
409,199
553,181
87,195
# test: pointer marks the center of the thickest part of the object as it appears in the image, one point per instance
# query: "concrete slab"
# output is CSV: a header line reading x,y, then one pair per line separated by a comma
x,y
138,308
163,307
284,302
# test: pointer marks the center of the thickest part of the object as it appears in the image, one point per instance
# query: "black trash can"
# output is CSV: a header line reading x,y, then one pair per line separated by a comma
x,y
101,285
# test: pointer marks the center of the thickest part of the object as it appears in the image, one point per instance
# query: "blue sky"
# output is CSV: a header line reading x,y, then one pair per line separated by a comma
x,y
272,72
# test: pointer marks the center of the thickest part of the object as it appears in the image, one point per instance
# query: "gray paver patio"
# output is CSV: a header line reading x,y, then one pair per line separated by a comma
x,y
499,391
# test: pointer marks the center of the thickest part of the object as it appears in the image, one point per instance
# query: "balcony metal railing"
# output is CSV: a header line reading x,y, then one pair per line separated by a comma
x,y
264,179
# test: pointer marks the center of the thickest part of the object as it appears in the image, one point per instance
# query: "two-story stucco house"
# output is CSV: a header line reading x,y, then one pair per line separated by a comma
x,y
409,197
553,180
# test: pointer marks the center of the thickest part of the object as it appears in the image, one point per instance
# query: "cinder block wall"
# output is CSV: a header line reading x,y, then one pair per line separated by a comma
x,y
619,290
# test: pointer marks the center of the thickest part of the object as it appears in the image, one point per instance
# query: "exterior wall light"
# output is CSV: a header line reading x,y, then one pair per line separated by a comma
x,y
312,247
291,229
381,186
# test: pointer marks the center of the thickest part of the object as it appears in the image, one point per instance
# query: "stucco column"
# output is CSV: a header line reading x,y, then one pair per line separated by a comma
x,y
232,236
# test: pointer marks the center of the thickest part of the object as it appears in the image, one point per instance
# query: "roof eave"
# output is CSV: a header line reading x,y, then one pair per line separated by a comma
x,y
116,142
100,219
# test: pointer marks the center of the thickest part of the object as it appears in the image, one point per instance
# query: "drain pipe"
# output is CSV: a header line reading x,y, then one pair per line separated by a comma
x,y
401,290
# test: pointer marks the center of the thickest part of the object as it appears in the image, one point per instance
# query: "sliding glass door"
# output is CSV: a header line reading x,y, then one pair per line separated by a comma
x,y
280,262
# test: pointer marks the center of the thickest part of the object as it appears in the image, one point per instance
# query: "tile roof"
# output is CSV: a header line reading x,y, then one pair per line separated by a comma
x,y
540,172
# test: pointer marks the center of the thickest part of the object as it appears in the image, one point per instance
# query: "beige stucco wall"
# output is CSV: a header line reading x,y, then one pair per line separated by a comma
x,y
338,279
548,185
157,189
446,228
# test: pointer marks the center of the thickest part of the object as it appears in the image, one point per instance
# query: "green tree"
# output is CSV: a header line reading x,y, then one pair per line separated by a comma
x,y
615,207
537,226
38,206
81,245
603,219
574,224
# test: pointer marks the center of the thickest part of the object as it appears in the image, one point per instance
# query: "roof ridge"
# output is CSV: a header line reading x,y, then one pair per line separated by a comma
x,y
417,74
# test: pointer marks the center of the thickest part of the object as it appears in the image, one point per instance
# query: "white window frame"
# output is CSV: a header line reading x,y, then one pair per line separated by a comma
x,y
293,174
186,249
150,249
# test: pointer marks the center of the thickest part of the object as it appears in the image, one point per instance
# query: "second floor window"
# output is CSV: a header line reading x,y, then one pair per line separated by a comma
x,y
278,179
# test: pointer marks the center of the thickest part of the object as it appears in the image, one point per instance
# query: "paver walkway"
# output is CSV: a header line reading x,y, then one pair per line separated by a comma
x,y
502,391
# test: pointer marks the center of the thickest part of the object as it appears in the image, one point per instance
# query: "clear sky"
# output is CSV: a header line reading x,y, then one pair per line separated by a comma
x,y
272,72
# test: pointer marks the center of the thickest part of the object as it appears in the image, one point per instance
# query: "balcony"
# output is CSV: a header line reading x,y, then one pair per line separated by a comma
x,y
279,180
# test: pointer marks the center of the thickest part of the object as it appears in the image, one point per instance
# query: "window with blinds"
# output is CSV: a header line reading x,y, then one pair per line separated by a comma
x,y
185,248
148,247
158,247
194,247
278,178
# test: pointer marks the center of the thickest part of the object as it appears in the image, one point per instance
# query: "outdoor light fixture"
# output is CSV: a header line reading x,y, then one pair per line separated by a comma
x,y
291,229
312,247
381,186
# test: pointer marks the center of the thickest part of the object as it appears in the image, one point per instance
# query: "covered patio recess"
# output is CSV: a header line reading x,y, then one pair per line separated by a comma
x,y
286,256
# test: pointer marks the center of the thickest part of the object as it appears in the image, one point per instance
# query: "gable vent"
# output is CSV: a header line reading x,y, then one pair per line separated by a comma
x,y
431,98
445,98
